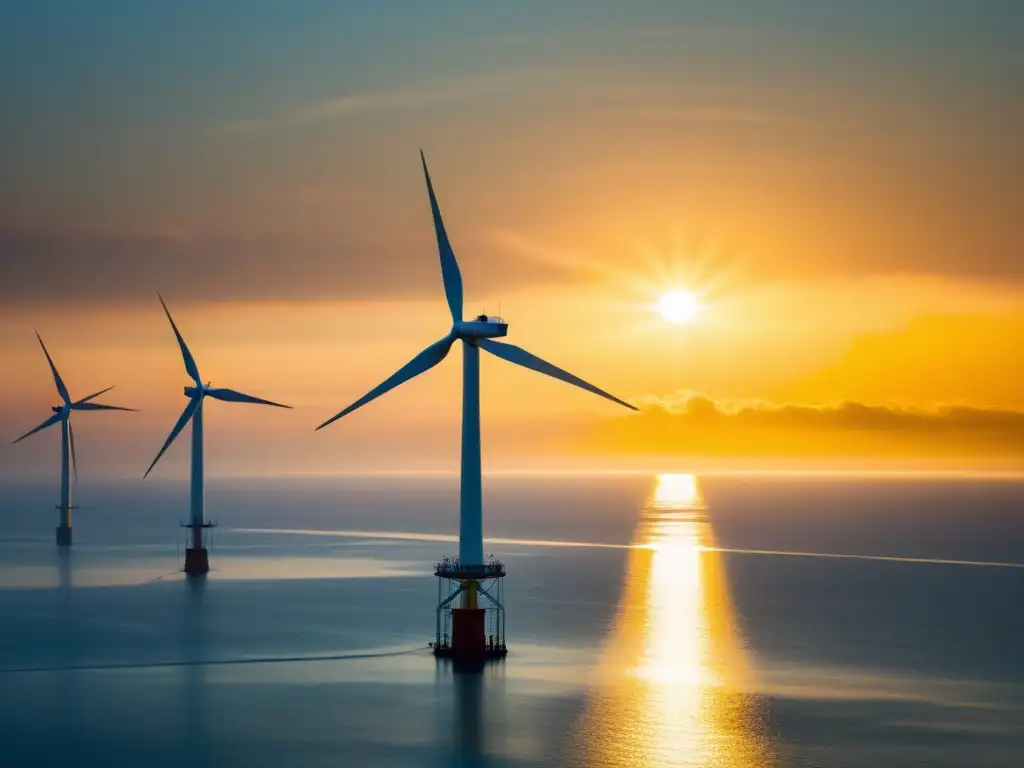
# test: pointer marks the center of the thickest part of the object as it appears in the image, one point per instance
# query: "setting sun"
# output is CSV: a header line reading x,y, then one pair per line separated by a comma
x,y
680,307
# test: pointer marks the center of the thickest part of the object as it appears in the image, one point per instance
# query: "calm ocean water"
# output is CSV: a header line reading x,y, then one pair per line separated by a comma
x,y
652,621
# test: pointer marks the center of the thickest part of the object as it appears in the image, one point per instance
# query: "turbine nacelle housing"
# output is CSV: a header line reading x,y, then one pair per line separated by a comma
x,y
194,391
480,327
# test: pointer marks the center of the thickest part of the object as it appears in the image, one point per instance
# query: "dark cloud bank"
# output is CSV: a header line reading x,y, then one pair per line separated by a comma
x,y
695,424
39,267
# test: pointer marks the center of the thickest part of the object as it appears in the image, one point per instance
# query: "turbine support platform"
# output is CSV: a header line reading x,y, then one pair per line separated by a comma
x,y
63,535
197,558
197,561
474,630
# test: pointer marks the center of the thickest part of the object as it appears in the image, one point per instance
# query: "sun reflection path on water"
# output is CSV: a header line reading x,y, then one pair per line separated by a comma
x,y
673,685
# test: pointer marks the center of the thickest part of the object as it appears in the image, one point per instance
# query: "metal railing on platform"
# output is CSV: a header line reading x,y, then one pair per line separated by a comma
x,y
452,568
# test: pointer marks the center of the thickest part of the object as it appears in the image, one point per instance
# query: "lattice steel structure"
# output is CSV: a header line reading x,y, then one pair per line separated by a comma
x,y
474,629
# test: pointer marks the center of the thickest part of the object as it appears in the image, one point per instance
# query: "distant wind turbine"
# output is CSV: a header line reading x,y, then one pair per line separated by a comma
x,y
62,415
196,558
474,335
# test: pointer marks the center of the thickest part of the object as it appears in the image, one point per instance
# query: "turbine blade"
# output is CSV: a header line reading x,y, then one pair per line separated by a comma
x,y
94,395
231,396
190,409
521,357
80,406
424,361
74,456
61,389
55,419
449,265
190,363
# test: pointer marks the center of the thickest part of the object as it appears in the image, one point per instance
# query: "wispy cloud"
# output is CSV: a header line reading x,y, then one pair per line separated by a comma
x,y
402,98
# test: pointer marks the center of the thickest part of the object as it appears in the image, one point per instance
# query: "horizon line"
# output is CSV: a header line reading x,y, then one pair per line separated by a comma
x,y
908,473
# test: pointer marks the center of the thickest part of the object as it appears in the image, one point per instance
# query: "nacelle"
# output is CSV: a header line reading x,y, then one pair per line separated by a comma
x,y
482,327
193,391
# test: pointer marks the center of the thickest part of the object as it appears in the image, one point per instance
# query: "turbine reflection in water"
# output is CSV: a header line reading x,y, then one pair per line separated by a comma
x,y
471,715
673,684
196,741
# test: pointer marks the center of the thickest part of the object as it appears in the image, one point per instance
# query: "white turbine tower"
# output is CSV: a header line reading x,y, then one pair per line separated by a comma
x,y
476,334
196,559
68,459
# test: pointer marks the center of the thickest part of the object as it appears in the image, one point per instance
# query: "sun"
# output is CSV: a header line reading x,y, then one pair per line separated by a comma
x,y
680,307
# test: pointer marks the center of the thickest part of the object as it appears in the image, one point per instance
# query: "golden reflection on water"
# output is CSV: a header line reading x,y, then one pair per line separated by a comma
x,y
672,685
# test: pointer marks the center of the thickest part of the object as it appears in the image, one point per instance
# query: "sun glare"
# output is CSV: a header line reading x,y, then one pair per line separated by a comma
x,y
677,491
680,307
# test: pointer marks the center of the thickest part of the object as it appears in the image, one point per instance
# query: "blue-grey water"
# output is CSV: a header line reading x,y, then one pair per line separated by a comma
x,y
652,621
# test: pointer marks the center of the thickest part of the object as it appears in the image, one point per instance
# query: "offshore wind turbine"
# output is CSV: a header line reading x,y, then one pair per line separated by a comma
x,y
479,333
68,459
197,561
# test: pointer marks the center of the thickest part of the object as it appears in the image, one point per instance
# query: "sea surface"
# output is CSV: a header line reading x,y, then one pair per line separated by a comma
x,y
665,620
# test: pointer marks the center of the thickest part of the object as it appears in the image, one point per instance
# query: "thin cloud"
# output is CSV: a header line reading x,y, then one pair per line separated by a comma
x,y
403,98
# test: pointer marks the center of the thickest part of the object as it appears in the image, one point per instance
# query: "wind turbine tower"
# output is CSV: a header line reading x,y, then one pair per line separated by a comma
x,y
470,576
68,459
197,561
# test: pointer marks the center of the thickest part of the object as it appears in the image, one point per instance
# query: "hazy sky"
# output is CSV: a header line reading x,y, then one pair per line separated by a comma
x,y
841,183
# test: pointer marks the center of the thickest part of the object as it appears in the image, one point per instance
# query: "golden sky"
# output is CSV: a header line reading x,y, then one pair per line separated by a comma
x,y
839,187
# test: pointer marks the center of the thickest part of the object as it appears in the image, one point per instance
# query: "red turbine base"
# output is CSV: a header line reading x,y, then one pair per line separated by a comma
x,y
197,562
468,639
